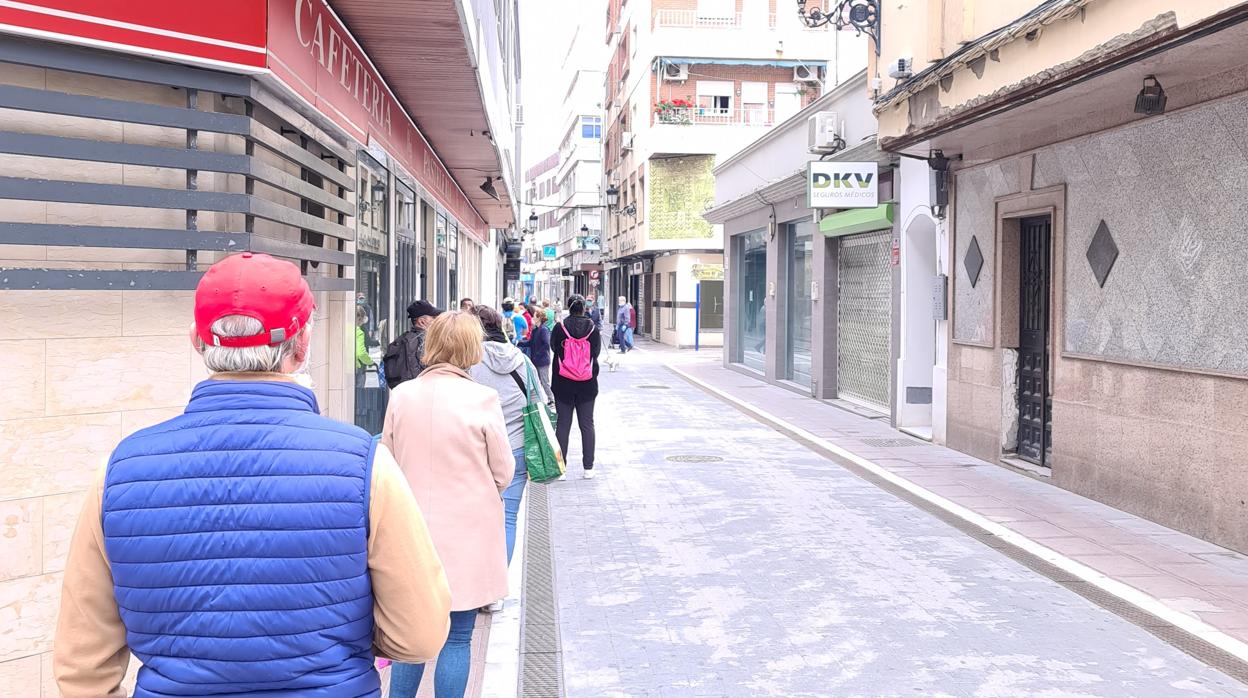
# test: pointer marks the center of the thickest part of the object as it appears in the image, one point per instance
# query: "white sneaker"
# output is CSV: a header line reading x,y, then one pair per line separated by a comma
x,y
589,474
563,477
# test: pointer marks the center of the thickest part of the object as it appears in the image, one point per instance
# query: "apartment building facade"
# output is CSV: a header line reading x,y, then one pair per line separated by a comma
x,y
140,143
687,84
1096,255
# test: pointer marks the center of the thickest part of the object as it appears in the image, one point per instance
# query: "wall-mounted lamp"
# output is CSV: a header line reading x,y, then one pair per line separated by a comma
x,y
613,196
533,220
862,15
584,229
1152,98
629,210
488,188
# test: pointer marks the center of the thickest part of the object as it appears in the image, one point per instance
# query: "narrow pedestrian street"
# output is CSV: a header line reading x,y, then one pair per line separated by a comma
x,y
715,556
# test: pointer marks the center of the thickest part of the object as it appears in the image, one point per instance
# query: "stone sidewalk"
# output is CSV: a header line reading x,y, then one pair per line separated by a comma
x,y
715,556
1197,579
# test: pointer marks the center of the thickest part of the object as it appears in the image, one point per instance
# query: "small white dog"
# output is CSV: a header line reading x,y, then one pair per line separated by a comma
x,y
612,360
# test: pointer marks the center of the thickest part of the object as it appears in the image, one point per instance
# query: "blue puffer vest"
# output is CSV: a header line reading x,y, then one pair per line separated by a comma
x,y
238,539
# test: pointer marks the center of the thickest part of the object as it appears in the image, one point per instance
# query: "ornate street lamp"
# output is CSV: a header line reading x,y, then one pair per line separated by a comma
x,y
862,15
613,196
533,220
584,229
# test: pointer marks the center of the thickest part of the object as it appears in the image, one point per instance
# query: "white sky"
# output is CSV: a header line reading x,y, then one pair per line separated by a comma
x,y
546,28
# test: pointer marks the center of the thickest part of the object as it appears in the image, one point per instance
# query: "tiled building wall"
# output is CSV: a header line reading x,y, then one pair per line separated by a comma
x,y
82,369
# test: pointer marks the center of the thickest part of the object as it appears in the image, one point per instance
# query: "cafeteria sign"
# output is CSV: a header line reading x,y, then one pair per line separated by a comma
x,y
842,185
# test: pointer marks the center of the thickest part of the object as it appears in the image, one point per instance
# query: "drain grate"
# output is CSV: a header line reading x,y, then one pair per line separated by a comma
x,y
892,443
654,387
541,660
695,459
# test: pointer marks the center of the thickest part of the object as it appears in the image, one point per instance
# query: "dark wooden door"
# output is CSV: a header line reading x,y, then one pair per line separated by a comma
x,y
1034,402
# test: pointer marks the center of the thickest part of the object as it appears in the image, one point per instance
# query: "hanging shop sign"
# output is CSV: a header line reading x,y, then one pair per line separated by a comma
x,y
550,251
313,54
230,37
842,185
708,272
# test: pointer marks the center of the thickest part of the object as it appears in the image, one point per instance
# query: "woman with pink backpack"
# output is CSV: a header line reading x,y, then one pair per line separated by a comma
x,y
574,345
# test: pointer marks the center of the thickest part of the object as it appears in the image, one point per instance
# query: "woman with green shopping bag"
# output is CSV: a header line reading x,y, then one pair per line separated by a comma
x,y
506,369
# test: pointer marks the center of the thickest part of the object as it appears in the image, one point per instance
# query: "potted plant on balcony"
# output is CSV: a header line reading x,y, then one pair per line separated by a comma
x,y
676,111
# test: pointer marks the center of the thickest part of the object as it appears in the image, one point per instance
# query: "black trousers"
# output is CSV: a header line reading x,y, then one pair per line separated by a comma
x,y
584,412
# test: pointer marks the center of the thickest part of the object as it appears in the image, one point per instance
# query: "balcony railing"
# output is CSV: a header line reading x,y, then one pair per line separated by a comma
x,y
737,116
692,19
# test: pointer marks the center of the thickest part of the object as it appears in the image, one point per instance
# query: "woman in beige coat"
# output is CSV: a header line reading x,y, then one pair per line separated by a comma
x,y
448,435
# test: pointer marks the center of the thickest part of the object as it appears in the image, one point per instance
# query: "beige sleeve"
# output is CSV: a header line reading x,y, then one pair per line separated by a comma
x,y
89,657
411,598
497,445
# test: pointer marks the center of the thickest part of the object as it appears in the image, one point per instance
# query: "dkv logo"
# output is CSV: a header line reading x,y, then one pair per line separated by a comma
x,y
842,180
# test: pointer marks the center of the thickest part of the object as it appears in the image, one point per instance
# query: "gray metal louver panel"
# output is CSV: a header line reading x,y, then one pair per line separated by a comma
x,y
864,317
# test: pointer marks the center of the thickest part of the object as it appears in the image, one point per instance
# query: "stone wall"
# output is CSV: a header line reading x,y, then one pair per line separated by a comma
x,y
82,369
1149,377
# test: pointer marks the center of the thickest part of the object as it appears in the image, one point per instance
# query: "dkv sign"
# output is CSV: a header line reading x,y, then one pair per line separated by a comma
x,y
842,185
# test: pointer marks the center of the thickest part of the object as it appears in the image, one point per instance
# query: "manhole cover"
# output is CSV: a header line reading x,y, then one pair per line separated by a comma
x,y
892,443
695,459
654,387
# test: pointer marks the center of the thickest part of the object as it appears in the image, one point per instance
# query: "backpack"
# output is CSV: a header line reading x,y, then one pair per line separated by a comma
x,y
509,329
577,364
402,360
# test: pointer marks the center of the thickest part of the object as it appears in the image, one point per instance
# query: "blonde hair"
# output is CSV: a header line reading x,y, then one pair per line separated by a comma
x,y
454,338
540,315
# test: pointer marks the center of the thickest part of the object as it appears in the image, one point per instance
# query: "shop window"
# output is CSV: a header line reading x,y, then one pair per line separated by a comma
x,y
671,294
799,261
749,326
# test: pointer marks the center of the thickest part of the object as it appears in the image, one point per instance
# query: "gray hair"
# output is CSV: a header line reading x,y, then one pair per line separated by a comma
x,y
261,359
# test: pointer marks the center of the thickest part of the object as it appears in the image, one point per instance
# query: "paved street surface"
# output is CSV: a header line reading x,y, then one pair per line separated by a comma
x,y
775,572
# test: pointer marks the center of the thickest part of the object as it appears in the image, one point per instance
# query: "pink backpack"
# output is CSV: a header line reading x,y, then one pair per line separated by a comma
x,y
577,365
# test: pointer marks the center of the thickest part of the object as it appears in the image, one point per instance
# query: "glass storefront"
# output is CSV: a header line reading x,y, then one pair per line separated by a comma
x,y
453,265
750,252
440,269
409,261
372,284
799,259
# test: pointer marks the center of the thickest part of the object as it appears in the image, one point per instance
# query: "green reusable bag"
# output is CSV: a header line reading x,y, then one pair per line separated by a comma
x,y
542,457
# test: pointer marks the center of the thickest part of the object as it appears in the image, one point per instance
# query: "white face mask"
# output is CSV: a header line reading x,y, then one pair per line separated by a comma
x,y
303,375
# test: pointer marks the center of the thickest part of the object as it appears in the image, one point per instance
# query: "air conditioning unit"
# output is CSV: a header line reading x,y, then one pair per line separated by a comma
x,y
806,73
626,140
825,133
676,71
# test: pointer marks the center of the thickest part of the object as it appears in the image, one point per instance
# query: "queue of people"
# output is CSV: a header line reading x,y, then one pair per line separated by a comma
x,y
199,528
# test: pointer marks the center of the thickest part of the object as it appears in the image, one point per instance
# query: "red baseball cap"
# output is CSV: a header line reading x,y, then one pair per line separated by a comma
x,y
257,286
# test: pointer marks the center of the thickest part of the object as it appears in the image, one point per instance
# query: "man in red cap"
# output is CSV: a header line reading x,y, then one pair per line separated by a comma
x,y
249,545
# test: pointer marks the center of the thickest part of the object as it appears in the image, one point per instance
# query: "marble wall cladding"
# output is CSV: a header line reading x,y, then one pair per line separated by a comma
x,y
21,678
54,455
28,609
1173,191
118,373
21,538
975,216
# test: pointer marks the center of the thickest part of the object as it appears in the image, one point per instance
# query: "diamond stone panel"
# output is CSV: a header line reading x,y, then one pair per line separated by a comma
x,y
1102,253
974,261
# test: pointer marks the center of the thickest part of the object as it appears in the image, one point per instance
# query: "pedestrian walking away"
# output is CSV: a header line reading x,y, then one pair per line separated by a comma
x,y
539,349
575,345
508,372
403,360
450,439
516,328
197,528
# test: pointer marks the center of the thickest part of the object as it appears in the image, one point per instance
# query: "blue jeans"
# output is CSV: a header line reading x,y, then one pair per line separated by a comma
x,y
511,500
450,679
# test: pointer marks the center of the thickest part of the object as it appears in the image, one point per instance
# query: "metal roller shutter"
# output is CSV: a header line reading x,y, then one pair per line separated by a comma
x,y
864,317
